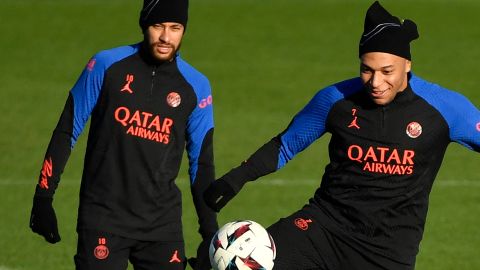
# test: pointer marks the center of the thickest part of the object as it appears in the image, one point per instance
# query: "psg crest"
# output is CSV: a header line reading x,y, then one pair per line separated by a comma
x,y
414,130
174,99
101,252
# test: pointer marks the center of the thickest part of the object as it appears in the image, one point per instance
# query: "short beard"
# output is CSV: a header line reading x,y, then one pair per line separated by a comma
x,y
152,50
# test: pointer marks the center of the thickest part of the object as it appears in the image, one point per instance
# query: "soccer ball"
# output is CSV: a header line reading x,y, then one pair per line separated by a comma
x,y
242,245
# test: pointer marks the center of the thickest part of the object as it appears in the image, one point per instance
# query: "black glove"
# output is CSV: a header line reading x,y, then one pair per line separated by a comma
x,y
43,220
218,194
202,261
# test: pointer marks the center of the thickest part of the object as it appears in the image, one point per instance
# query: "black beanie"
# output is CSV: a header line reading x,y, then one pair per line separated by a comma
x,y
386,33
159,11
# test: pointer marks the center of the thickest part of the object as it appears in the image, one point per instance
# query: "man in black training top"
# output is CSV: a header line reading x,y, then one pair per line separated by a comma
x,y
390,130
146,103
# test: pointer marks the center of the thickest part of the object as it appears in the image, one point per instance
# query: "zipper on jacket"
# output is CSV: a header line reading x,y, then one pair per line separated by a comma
x,y
154,72
382,123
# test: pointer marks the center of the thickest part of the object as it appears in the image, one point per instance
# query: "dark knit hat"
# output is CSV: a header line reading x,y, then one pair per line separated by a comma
x,y
159,11
386,33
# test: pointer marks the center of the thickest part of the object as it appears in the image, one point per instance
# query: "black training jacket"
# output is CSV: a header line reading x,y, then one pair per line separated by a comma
x,y
383,160
143,115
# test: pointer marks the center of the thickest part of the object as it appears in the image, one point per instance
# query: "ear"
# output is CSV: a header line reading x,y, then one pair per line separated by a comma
x,y
408,66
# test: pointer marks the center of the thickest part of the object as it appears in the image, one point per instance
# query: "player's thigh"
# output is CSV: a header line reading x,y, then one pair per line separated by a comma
x,y
101,251
293,245
158,255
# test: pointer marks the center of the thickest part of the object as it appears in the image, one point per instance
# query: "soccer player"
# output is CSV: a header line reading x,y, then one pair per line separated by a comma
x,y
389,133
146,104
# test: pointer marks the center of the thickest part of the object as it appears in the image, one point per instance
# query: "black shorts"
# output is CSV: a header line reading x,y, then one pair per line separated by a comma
x,y
101,251
303,244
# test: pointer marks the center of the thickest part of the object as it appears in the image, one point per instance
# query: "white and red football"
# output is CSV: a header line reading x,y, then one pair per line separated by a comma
x,y
242,245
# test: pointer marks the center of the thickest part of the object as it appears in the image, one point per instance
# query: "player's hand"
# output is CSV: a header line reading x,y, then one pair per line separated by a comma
x,y
202,261
218,194
43,220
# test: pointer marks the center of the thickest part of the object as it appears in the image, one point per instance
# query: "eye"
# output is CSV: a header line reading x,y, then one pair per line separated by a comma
x,y
387,72
176,28
365,70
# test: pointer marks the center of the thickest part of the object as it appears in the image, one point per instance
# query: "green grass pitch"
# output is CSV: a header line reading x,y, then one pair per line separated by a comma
x,y
265,60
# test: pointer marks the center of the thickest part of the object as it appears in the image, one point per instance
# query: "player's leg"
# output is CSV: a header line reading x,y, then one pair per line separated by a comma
x,y
148,255
356,258
101,251
293,244
302,243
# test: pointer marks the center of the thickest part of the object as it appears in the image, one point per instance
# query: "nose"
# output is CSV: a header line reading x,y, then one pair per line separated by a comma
x,y
376,80
164,36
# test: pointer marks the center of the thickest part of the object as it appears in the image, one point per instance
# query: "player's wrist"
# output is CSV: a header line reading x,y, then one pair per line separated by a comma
x,y
43,199
207,232
235,180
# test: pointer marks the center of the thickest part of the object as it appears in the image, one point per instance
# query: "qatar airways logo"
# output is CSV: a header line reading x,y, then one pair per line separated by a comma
x,y
144,124
384,160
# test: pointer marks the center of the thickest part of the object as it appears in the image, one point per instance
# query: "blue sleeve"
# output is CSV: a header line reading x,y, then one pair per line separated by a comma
x,y
81,100
87,89
462,117
310,123
199,137
200,121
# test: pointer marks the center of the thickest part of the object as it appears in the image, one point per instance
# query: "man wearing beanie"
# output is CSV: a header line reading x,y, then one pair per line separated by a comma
x,y
146,105
389,132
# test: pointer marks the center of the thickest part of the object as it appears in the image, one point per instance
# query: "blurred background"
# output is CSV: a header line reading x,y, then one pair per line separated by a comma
x,y
265,60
